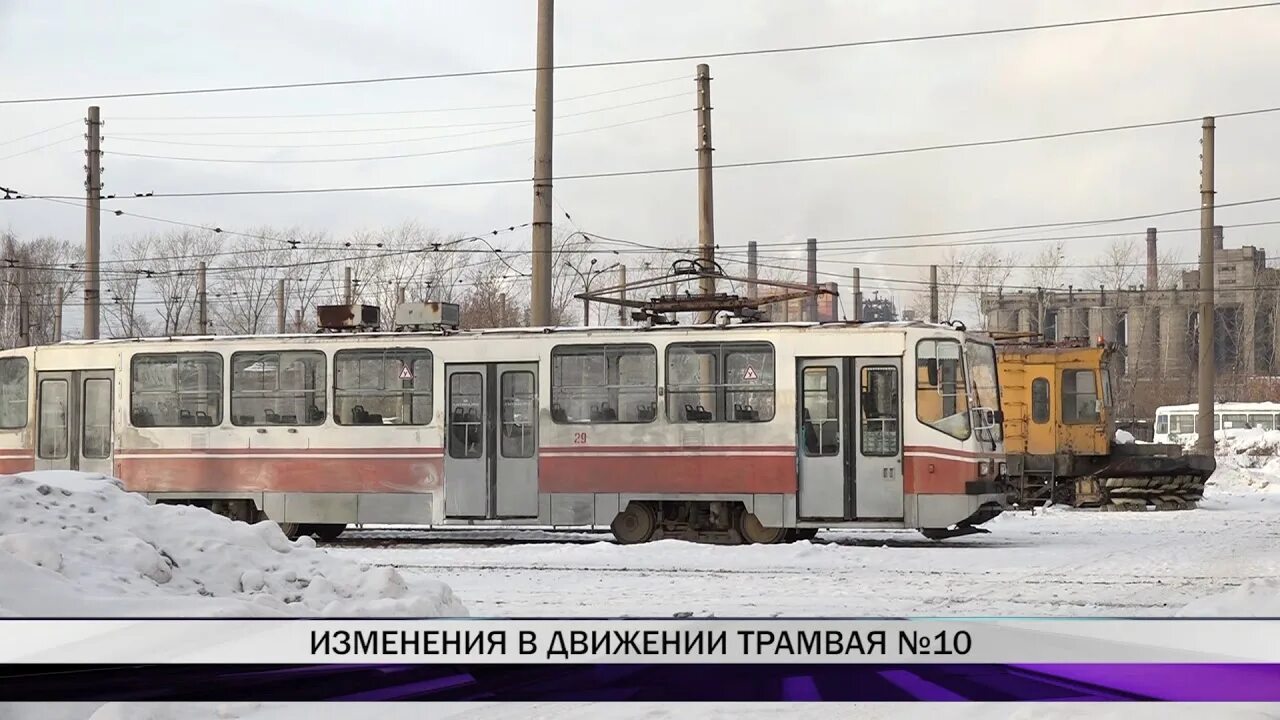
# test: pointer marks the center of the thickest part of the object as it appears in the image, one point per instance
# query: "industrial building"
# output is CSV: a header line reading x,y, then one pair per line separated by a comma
x,y
1157,328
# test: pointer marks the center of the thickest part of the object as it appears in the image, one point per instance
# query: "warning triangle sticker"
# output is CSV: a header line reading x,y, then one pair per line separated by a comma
x,y
406,373
749,373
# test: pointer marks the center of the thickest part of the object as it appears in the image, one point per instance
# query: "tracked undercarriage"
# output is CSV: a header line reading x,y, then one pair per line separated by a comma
x,y
1132,477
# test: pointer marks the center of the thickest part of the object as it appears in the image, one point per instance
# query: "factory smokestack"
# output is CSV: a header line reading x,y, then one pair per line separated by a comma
x,y
1153,270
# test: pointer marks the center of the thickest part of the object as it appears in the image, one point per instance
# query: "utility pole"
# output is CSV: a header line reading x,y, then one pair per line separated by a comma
x,y
622,294
57,316
347,296
706,206
281,312
811,264
540,315
202,298
858,295
933,293
24,311
753,270
93,225
1204,421
400,295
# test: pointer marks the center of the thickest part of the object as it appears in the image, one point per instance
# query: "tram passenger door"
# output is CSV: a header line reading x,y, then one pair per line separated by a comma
x,y
878,413
74,429
825,472
491,441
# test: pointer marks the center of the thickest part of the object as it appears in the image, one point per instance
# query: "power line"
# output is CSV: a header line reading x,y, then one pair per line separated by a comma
x,y
40,147
39,132
397,156
648,60
507,124
368,113
681,169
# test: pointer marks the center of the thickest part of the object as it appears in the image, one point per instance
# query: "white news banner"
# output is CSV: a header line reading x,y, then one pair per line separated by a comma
x,y
1020,641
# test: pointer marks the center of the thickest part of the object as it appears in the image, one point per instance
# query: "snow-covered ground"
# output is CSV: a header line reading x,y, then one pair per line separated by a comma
x,y
1059,562
1223,556
73,544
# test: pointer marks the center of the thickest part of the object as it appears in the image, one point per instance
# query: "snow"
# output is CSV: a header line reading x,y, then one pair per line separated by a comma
x,y
1124,437
635,711
1248,461
74,544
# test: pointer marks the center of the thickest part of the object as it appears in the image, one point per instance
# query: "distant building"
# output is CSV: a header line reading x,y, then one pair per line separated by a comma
x,y
874,309
1157,329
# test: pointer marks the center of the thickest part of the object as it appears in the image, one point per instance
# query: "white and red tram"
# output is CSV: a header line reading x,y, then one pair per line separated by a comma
x,y
747,433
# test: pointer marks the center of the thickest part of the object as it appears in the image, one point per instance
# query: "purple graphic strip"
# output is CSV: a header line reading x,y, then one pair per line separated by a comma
x,y
654,683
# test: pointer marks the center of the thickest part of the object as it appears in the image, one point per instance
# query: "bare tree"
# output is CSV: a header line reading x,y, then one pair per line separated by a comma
x,y
34,271
1169,268
1118,266
176,254
243,285
490,300
123,309
953,272
989,271
1048,266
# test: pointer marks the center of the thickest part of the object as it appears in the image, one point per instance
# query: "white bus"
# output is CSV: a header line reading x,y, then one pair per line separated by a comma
x,y
1173,422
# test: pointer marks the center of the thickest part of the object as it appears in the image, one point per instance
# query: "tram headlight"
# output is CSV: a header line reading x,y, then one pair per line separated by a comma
x,y
984,468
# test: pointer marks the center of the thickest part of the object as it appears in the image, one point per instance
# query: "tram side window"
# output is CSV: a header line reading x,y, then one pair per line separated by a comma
x,y
879,411
390,386
1162,424
13,393
1079,397
278,388
1182,423
1040,400
1266,422
729,382
1235,421
941,387
176,390
604,384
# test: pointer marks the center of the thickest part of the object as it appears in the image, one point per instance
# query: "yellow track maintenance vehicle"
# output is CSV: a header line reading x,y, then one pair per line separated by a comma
x,y
1060,439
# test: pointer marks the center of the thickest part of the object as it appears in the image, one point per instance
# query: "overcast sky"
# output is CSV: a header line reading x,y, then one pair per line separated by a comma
x,y
765,107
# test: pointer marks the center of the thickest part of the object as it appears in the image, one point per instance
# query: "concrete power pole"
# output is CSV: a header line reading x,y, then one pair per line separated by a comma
x,y
24,311
622,294
933,293
93,226
57,316
858,295
753,270
811,264
202,298
706,205
540,312
281,310
1204,421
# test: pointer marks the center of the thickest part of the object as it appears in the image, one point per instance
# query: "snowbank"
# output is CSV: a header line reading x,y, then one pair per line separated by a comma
x,y
74,544
1260,598
1248,461
1124,437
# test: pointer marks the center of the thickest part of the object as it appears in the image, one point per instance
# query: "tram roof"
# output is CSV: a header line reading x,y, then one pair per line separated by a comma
x,y
572,330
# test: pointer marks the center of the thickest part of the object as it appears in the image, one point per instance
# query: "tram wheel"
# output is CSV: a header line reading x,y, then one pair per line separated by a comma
x,y
328,532
753,532
635,525
293,531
